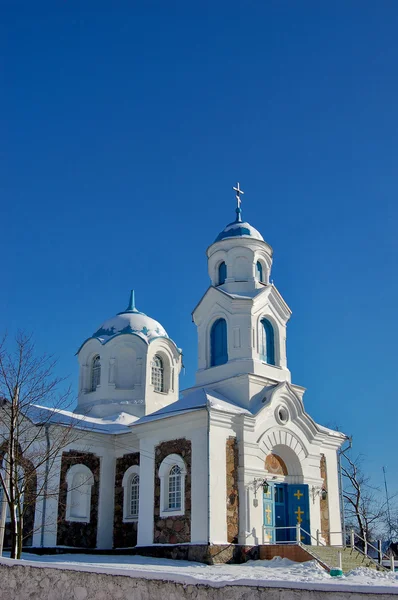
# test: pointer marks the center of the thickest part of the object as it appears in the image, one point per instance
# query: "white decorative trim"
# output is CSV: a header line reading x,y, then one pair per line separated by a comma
x,y
164,470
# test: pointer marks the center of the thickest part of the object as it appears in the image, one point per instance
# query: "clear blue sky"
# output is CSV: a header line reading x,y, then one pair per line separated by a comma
x,y
123,127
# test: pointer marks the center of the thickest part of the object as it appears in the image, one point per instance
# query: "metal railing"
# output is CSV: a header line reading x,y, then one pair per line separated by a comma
x,y
269,535
381,556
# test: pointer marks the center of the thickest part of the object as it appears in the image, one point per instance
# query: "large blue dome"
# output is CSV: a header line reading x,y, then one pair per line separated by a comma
x,y
239,229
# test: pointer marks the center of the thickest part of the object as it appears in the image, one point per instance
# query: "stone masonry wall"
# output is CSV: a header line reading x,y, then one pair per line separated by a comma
x,y
232,464
173,530
33,583
72,533
30,497
324,504
124,534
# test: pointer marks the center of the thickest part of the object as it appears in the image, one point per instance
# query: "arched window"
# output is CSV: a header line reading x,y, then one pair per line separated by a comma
x,y
218,343
267,349
79,480
222,273
259,271
175,488
95,373
131,493
157,374
134,495
172,473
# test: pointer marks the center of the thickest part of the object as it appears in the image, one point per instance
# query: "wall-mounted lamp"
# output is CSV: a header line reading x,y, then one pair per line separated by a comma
x,y
318,491
258,483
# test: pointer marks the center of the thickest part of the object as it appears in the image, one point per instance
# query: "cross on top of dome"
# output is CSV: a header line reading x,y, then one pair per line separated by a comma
x,y
238,201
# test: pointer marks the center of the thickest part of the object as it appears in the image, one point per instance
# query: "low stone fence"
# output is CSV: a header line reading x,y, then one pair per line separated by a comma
x,y
23,582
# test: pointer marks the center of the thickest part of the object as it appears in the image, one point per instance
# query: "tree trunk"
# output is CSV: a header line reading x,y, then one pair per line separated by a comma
x,y
14,532
19,536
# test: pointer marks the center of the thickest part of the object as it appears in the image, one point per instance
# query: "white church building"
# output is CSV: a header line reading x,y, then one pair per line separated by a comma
x,y
235,459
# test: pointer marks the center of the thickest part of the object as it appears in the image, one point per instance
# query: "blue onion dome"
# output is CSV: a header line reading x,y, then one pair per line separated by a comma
x,y
130,321
239,228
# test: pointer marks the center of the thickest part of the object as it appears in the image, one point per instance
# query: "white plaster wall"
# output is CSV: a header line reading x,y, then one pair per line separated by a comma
x,y
220,430
147,478
106,501
126,376
240,256
243,316
333,494
193,427
113,394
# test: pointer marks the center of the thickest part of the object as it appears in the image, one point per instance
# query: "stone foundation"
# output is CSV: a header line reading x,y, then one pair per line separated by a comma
x,y
124,534
71,533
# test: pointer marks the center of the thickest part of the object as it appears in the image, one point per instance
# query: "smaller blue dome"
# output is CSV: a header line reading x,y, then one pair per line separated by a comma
x,y
239,229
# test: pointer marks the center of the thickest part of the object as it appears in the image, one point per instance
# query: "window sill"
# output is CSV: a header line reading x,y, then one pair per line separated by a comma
x,y
77,520
130,519
172,513
162,393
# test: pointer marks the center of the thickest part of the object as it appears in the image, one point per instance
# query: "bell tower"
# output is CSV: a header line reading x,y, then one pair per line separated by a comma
x,y
241,319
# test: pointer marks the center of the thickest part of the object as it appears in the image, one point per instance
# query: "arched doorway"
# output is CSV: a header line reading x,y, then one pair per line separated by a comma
x,y
285,504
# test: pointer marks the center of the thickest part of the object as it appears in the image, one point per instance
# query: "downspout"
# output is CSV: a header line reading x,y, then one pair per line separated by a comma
x,y
45,488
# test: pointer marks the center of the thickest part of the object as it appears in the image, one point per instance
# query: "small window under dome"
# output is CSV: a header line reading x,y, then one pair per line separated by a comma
x,y
222,273
157,374
95,373
259,271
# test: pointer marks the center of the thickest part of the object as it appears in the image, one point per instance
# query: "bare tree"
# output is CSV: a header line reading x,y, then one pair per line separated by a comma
x,y
365,510
31,439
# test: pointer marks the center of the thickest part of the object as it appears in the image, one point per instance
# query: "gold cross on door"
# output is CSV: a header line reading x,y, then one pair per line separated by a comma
x,y
299,514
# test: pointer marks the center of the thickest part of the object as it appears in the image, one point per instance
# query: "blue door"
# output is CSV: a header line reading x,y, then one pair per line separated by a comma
x,y
299,511
280,495
269,513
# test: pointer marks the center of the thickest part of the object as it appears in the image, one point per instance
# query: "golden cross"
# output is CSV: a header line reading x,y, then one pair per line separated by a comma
x,y
238,193
298,494
299,512
268,512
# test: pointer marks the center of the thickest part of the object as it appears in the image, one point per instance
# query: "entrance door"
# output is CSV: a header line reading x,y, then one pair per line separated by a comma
x,y
269,514
299,510
280,494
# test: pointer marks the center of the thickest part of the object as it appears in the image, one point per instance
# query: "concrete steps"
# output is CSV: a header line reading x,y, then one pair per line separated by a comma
x,y
328,557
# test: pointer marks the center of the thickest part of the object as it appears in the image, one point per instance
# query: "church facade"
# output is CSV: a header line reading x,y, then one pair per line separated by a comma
x,y
235,459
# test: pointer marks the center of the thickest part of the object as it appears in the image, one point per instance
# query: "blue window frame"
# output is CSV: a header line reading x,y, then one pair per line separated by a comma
x,y
267,342
259,271
218,343
222,273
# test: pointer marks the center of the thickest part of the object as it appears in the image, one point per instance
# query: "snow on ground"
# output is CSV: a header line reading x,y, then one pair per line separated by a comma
x,y
278,572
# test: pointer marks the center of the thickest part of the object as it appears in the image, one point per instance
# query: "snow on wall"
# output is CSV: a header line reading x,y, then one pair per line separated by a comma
x,y
39,581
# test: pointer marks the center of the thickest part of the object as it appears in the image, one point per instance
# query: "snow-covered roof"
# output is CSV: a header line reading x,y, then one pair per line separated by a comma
x,y
131,322
114,424
239,229
196,400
